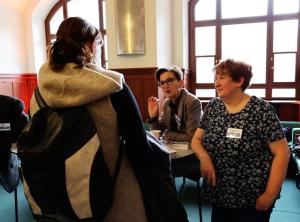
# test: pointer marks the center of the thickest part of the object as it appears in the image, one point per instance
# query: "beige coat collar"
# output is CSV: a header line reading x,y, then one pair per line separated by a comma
x,y
77,86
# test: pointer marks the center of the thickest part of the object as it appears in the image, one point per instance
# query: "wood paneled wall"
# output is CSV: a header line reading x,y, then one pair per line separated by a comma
x,y
142,84
18,85
287,110
140,80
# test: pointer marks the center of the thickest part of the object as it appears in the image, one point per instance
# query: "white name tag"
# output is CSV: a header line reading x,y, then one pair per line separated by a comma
x,y
4,126
234,133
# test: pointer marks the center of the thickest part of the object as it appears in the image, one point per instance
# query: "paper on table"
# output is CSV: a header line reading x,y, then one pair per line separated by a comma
x,y
179,145
171,151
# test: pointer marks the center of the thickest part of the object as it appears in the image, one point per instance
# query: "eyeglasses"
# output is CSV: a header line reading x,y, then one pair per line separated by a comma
x,y
168,82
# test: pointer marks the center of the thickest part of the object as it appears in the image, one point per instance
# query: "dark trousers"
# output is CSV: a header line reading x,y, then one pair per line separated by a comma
x,y
240,215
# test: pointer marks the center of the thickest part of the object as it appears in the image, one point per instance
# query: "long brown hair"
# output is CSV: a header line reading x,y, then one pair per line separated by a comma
x,y
70,46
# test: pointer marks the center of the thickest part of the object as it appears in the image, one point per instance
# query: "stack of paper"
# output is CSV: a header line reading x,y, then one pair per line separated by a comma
x,y
179,145
171,152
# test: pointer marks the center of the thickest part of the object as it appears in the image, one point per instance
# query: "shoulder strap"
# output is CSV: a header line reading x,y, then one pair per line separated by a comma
x,y
41,102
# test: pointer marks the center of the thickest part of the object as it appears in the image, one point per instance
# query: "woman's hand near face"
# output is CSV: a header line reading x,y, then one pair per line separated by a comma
x,y
153,107
206,165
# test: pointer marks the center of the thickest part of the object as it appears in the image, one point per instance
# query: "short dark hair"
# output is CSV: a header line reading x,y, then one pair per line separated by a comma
x,y
70,45
174,69
236,69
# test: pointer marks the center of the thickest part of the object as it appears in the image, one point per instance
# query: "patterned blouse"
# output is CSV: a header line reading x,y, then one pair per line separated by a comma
x,y
242,161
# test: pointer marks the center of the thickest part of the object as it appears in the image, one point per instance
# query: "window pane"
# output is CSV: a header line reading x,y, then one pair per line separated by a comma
x,y
89,11
285,35
56,20
206,93
284,67
280,93
205,40
281,6
104,14
105,49
239,42
256,92
205,10
245,8
204,68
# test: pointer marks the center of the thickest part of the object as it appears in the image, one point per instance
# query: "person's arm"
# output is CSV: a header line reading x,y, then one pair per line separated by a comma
x,y
279,166
153,107
206,165
153,112
193,114
19,119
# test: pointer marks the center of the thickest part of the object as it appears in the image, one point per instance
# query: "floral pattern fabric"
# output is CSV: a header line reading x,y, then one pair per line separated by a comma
x,y
242,164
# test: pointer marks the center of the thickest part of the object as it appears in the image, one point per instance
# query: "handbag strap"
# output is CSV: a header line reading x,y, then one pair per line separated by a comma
x,y
40,101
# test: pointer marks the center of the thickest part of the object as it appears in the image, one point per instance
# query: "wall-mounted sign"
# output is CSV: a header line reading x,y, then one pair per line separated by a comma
x,y
130,27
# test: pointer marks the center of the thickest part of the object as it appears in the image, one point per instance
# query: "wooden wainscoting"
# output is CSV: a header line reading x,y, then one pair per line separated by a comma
x,y
140,80
142,84
20,86
287,110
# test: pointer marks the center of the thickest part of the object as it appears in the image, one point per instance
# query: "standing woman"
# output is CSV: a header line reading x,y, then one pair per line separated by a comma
x,y
71,79
242,149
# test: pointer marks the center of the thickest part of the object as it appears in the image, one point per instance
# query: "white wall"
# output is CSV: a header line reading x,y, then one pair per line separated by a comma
x,y
12,44
22,35
131,61
180,33
36,15
164,32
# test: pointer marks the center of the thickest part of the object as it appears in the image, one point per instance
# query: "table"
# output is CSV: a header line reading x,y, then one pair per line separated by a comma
x,y
177,151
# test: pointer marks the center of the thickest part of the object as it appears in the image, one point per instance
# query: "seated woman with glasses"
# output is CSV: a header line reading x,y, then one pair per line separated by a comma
x,y
181,109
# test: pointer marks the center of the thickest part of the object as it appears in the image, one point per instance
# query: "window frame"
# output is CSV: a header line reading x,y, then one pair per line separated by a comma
x,y
218,22
63,4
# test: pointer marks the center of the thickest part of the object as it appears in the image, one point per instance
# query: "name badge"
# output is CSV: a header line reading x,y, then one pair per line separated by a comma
x,y
4,126
234,133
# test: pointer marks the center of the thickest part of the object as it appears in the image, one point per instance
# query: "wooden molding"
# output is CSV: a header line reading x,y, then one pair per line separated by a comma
x,y
142,84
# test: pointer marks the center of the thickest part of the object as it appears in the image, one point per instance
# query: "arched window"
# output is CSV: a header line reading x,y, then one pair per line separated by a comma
x,y
92,10
263,33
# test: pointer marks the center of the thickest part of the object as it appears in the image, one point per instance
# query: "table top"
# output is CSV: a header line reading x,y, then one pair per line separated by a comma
x,y
179,150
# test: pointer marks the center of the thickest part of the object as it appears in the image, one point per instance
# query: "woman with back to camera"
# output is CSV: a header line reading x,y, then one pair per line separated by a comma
x,y
70,79
242,149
